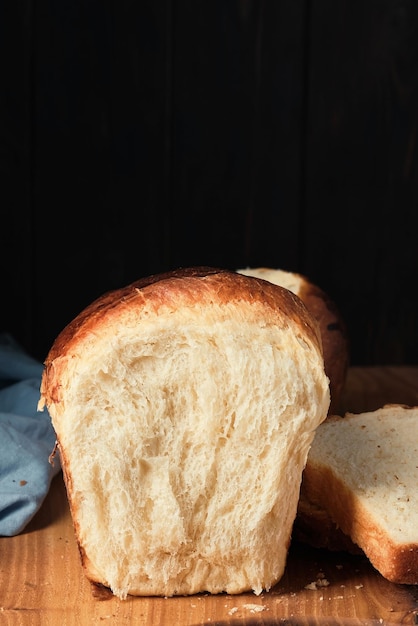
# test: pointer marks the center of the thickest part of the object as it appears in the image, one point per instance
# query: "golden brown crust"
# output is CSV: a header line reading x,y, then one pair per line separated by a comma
x,y
198,284
334,332
102,305
323,490
335,340
398,564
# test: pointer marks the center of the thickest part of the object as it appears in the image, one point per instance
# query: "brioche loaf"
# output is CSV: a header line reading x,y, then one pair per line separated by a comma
x,y
362,472
333,328
184,406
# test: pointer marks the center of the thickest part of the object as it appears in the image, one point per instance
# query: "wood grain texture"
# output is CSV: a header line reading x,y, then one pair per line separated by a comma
x,y
42,584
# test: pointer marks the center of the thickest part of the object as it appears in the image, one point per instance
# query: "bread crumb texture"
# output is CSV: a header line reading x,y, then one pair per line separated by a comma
x,y
183,437
363,469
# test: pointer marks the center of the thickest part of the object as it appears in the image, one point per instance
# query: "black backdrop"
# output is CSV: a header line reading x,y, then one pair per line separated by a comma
x,y
140,136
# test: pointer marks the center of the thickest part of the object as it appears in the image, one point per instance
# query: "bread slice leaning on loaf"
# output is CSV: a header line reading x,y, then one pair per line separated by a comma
x,y
184,406
362,471
334,332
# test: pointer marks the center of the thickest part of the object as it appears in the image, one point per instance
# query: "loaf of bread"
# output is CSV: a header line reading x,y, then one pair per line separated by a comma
x,y
362,472
184,406
335,341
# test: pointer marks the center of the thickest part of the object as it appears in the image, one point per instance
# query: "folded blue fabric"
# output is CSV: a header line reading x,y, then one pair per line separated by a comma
x,y
27,439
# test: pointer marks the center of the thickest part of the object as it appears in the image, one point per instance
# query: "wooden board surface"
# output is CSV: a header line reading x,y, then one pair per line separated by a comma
x,y
41,581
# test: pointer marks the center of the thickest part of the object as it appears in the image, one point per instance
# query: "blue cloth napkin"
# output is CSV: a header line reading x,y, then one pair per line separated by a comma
x,y
27,438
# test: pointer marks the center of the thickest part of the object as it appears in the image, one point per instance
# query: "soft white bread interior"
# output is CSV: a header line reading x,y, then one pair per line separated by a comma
x,y
184,406
362,470
334,333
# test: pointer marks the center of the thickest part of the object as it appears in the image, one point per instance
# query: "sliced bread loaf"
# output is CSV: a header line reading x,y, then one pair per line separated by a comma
x,y
362,471
184,407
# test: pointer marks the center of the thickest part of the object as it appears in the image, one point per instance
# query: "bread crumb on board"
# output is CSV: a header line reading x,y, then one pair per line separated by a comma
x,y
320,582
253,608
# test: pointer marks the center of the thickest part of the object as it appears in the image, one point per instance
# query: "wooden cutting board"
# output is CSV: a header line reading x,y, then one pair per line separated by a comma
x,y
42,583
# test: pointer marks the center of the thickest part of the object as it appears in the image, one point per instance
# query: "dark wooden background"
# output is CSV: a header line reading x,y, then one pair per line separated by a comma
x,y
140,136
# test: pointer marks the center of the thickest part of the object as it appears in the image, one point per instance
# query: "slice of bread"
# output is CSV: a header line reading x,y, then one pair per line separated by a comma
x,y
184,406
335,341
362,470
